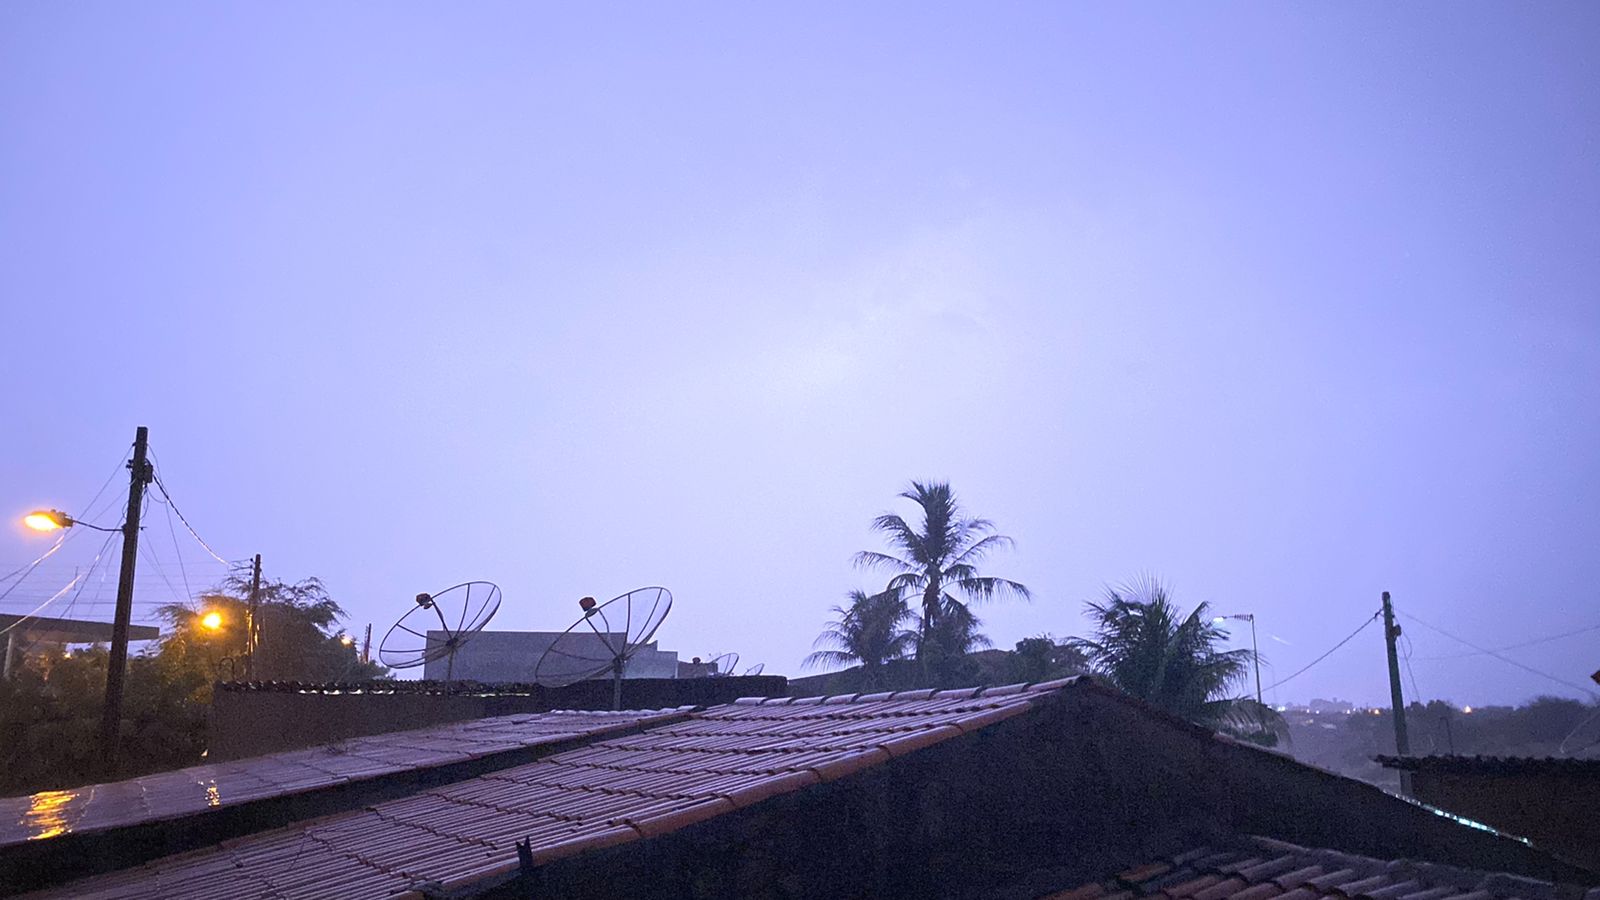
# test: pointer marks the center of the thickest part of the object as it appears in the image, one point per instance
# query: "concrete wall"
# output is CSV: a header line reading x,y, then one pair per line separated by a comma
x,y
250,722
512,656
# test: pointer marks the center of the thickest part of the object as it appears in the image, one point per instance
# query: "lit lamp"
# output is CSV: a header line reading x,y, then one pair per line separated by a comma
x,y
211,621
55,520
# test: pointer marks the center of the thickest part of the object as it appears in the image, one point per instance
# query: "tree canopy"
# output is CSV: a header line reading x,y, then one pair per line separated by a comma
x,y
938,562
1145,645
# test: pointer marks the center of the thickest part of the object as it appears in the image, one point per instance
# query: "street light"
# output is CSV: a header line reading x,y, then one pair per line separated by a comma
x,y
1255,651
211,621
140,474
54,520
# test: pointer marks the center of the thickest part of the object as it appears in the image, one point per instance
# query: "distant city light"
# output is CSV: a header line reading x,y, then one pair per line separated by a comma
x,y
347,640
1466,709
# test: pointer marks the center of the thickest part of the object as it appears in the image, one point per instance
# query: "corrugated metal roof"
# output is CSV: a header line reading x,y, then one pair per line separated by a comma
x,y
1262,869
199,789
610,792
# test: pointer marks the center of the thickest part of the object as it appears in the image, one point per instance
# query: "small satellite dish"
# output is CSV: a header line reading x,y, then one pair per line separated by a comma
x,y
756,669
723,664
603,639
408,644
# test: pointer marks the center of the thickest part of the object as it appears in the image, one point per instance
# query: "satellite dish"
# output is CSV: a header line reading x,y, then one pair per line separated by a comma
x,y
603,639
723,664
756,669
461,612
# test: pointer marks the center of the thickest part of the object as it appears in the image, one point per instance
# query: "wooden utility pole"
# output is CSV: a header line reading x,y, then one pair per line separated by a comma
x,y
252,629
1402,745
111,713
366,645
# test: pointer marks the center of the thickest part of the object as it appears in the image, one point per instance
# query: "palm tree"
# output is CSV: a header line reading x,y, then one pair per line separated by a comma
x,y
868,632
1146,646
938,561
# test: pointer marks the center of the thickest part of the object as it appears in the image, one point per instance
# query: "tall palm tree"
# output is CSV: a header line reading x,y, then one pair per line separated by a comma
x,y
1146,646
938,561
867,632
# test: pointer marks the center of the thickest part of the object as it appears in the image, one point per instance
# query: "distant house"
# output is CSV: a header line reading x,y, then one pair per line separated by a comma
x,y
1554,802
1065,789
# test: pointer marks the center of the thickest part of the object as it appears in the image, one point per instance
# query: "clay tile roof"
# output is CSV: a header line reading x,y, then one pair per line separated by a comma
x,y
1493,765
666,777
199,790
1250,868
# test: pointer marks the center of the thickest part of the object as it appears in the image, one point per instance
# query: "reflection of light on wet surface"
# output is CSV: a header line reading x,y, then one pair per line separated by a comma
x,y
212,797
48,814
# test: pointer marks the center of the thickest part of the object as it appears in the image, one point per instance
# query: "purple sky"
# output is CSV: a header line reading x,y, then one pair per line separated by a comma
x,y
1289,305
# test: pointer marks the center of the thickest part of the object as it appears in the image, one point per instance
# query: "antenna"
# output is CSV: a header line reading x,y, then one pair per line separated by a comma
x,y
756,669
412,641
723,664
603,639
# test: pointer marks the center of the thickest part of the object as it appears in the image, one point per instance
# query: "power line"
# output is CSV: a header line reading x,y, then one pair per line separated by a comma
x,y
1504,659
40,608
1543,640
196,535
1330,651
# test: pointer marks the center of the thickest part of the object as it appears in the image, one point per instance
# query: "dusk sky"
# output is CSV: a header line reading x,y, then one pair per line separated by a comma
x,y
1287,304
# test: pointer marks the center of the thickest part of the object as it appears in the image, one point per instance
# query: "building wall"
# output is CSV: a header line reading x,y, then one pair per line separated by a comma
x,y
1559,811
250,722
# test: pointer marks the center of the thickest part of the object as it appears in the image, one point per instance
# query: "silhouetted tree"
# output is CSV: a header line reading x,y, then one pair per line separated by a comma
x,y
1043,658
1146,646
867,632
937,561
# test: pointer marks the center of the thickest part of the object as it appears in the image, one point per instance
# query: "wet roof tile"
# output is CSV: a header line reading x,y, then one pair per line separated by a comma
x,y
1261,869
674,774
198,789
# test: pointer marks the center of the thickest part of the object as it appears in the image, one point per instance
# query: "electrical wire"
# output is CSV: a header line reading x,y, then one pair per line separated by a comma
x,y
40,608
1504,659
1535,641
35,564
1330,651
156,475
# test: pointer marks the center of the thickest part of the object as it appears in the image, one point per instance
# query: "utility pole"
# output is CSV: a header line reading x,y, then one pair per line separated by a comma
x,y
1255,650
251,626
1402,745
111,713
366,645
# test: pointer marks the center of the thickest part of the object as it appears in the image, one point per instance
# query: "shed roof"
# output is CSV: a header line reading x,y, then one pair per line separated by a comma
x,y
71,631
607,793
200,793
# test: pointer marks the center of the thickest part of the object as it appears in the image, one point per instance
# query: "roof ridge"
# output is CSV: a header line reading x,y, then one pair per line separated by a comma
x,y
975,692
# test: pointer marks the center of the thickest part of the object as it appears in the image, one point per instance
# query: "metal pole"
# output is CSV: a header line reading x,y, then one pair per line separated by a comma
x,y
1402,744
251,622
1255,650
616,684
111,713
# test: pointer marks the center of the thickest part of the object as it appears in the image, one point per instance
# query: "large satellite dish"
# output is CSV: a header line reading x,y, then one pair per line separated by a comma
x,y
723,664
756,669
460,611
603,639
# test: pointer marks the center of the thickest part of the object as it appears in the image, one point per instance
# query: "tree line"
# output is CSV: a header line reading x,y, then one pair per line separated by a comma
x,y
50,707
920,629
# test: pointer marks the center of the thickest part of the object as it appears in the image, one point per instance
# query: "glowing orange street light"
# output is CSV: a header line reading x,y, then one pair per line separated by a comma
x,y
211,621
47,520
